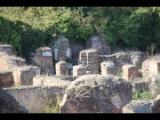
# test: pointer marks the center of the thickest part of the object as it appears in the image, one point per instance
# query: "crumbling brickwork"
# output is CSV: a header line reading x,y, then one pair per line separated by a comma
x,y
29,99
108,68
25,76
150,68
96,94
6,78
90,58
99,43
79,70
130,72
121,58
61,49
61,68
44,59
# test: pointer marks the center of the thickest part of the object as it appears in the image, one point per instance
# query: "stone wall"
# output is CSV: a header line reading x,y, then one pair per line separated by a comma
x,y
121,58
32,99
6,79
140,106
96,94
76,49
137,58
24,76
13,70
79,70
141,86
44,59
130,72
99,43
61,49
150,68
90,58
62,68
108,68
6,48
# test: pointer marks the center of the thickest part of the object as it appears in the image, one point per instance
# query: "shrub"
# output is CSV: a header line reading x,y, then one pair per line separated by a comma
x,y
145,95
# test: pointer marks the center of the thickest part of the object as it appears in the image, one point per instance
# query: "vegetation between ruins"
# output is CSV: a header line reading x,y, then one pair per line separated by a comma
x,y
27,28
144,95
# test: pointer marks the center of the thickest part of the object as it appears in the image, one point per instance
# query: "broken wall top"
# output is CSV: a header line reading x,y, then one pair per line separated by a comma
x,y
96,94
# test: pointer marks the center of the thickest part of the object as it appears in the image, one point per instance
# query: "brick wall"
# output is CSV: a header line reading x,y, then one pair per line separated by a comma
x,y
27,99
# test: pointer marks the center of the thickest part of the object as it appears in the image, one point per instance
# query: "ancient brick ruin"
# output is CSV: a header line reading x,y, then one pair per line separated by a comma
x,y
61,68
14,71
90,58
98,42
61,49
150,68
130,72
122,58
44,59
99,92
108,68
79,70
96,94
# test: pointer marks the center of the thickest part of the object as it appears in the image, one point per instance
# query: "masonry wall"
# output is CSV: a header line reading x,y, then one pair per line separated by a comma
x,y
25,77
6,48
6,79
99,43
32,99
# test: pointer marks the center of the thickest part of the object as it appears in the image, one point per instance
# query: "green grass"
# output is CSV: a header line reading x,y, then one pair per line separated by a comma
x,y
145,95
14,86
52,105
142,78
119,74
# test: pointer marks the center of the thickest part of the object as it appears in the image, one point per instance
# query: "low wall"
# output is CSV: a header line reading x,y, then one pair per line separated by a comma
x,y
28,99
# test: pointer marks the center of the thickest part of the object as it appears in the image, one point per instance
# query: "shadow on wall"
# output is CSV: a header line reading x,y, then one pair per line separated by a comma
x,y
9,105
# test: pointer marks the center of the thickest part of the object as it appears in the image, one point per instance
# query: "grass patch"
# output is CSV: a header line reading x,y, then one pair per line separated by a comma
x,y
145,95
52,105
142,78
119,74
14,86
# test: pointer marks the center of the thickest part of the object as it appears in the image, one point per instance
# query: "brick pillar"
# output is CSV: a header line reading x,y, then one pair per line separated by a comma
x,y
61,68
130,72
45,59
79,70
107,68
93,60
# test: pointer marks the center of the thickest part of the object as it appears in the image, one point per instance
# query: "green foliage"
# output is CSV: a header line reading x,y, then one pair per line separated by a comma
x,y
52,106
27,28
9,35
142,79
145,95
119,74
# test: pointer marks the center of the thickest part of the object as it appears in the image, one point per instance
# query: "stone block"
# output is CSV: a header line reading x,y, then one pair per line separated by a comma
x,y
62,68
79,70
108,68
130,72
